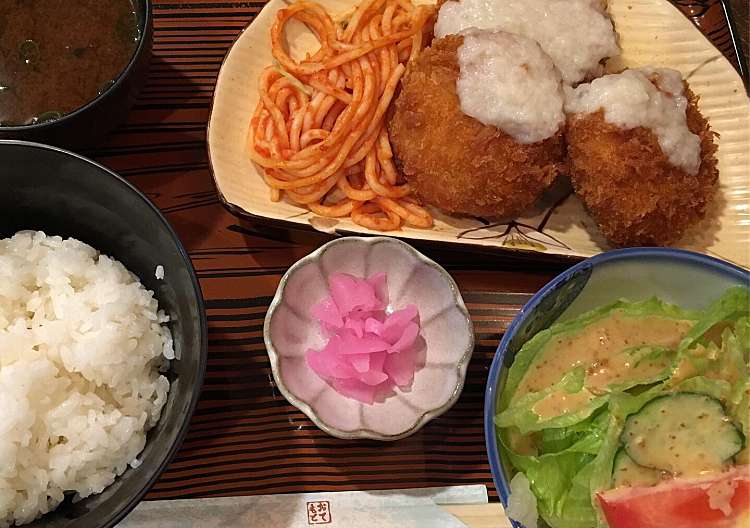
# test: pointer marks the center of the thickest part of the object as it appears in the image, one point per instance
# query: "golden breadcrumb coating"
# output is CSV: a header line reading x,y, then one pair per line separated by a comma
x,y
455,162
634,193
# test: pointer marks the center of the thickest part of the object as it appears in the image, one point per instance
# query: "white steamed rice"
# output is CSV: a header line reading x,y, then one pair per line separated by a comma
x,y
82,343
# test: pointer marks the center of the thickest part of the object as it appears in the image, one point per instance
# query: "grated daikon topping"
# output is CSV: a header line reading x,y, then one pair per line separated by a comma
x,y
650,98
577,34
507,81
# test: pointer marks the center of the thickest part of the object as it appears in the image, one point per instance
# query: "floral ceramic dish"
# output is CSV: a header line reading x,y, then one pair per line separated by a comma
x,y
446,328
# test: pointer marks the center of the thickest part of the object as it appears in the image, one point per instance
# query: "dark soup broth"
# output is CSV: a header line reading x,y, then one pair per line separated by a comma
x,y
57,55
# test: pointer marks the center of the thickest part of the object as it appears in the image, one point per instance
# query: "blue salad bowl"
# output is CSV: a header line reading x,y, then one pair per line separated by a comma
x,y
687,279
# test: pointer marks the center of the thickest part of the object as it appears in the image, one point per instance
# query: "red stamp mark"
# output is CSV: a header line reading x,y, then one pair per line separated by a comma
x,y
318,512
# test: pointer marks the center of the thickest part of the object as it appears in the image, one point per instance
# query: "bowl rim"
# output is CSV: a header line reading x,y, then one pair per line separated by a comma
x,y
129,505
147,10
638,253
365,433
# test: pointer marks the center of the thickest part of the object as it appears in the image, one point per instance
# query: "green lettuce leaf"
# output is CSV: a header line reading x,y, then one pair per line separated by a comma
x,y
623,404
719,369
589,440
601,466
579,437
742,331
735,358
521,414
716,388
560,480
536,345
577,510
557,484
741,414
551,477
736,347
638,355
733,305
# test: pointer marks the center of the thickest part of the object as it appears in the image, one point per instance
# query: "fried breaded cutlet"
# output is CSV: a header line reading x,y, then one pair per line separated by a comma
x,y
636,196
455,162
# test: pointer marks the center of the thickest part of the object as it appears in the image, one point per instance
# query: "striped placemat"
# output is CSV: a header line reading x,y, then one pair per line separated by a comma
x,y
245,438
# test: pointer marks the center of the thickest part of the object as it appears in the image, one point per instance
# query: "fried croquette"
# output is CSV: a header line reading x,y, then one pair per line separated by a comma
x,y
455,162
636,196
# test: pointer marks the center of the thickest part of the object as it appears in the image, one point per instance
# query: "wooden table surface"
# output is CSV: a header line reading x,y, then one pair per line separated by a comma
x,y
245,438
739,10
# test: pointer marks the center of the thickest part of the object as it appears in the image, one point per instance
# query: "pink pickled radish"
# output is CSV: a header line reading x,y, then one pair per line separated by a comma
x,y
373,378
397,322
360,362
355,325
379,284
377,360
350,294
369,352
327,312
407,338
367,344
401,367
373,326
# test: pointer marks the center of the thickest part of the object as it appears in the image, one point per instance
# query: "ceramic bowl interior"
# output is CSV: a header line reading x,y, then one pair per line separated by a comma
x,y
688,279
48,189
86,125
412,279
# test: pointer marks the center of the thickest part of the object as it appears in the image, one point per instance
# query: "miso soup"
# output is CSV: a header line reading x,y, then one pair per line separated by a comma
x,y
57,55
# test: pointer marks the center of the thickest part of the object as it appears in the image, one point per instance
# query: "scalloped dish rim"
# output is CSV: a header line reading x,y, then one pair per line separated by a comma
x,y
366,433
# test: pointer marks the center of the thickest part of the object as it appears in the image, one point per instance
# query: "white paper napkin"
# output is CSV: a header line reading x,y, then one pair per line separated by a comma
x,y
413,508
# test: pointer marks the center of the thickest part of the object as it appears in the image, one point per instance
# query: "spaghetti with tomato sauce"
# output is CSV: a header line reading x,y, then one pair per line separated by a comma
x,y
318,130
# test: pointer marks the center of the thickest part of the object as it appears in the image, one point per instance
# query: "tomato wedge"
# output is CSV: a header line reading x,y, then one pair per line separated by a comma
x,y
718,501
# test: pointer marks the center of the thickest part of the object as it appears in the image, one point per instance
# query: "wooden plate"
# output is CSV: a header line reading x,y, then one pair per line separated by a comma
x,y
652,32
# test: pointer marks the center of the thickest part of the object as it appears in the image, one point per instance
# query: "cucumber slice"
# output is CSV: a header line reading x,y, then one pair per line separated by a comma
x,y
685,433
627,473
